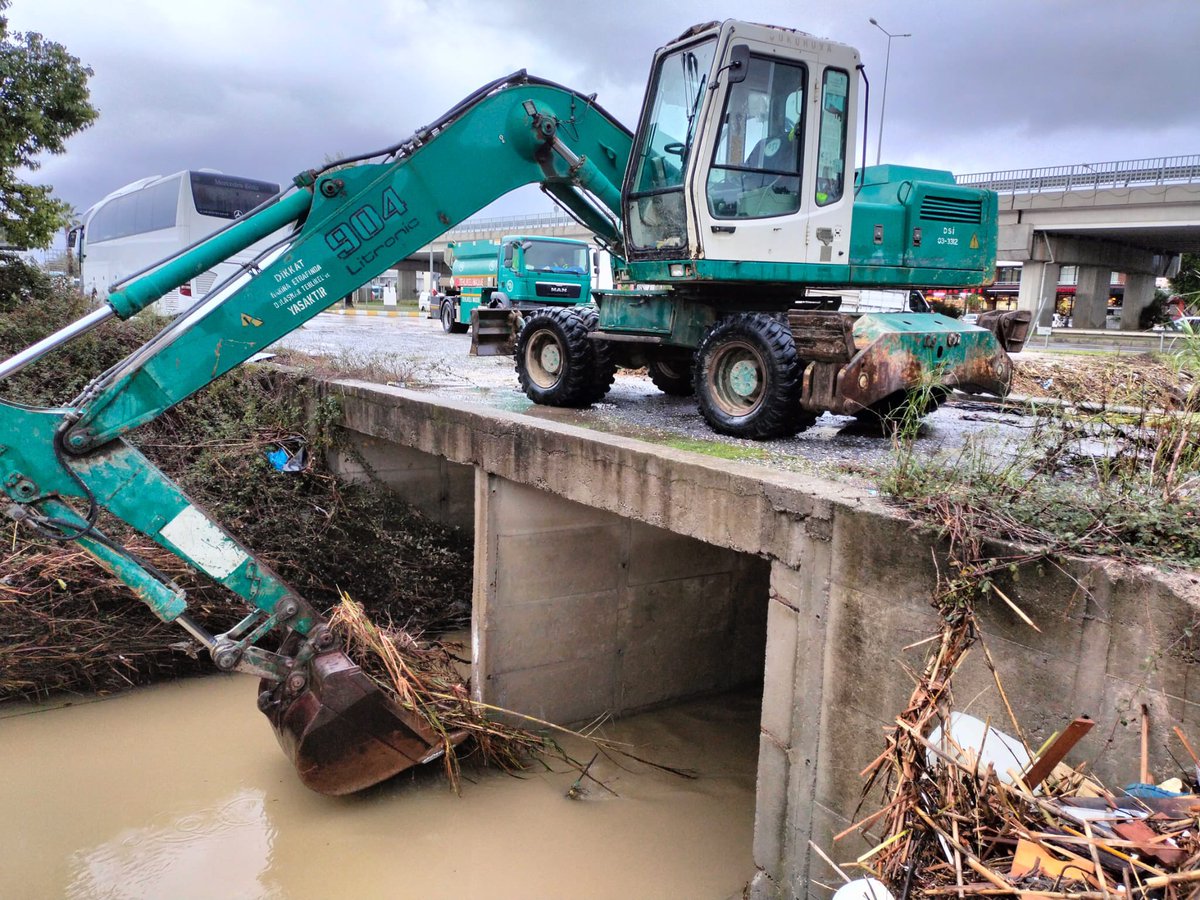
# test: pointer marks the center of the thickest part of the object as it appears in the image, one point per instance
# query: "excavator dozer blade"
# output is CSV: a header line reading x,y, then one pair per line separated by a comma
x,y
494,331
344,734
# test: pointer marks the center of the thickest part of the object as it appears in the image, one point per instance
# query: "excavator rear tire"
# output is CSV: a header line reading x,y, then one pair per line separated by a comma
x,y
672,376
748,378
557,364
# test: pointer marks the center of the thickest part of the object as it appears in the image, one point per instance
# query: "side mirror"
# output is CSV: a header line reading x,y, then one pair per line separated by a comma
x,y
72,237
739,64
509,251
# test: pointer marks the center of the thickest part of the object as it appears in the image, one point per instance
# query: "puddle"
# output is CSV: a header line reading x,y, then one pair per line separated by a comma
x,y
181,791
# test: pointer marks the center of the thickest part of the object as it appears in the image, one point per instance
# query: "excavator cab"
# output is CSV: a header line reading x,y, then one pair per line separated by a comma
x,y
744,151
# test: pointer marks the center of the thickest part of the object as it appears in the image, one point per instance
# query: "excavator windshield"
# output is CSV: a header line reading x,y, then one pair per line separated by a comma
x,y
656,202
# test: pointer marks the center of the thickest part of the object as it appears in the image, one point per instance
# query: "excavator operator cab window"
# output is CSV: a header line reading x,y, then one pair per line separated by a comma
x,y
755,170
657,218
831,147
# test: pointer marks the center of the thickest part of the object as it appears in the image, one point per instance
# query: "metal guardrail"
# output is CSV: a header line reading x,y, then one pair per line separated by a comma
x,y
50,259
1113,339
1083,176
514,224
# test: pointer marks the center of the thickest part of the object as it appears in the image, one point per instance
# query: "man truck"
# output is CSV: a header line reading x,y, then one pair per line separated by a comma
x,y
515,275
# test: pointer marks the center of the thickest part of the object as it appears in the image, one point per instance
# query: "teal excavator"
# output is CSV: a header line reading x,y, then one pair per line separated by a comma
x,y
736,196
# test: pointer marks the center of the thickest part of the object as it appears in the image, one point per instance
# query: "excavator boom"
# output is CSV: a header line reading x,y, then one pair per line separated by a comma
x,y
336,229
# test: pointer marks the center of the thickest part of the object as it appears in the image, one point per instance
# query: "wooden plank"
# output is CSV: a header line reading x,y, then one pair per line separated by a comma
x,y
1055,753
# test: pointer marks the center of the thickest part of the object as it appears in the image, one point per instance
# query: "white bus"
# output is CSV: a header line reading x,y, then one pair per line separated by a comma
x,y
141,223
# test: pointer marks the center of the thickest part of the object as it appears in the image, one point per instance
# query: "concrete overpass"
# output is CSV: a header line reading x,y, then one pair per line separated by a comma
x,y
1133,216
479,228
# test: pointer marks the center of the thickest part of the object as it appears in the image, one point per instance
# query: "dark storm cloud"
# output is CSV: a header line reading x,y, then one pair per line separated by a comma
x,y
270,88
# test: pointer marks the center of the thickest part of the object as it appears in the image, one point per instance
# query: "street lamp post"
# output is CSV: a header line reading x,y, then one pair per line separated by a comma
x,y
886,65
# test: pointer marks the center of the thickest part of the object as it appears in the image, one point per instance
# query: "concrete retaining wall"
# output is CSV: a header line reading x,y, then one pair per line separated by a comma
x,y
443,490
849,587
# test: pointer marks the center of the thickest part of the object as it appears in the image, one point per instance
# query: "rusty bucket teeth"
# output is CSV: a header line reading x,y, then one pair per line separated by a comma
x,y
342,733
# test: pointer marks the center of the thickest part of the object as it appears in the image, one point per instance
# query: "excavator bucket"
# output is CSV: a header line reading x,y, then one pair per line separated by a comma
x,y
494,331
344,734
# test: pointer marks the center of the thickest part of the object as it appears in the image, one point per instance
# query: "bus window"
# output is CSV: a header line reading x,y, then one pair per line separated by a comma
x,y
224,197
148,220
149,209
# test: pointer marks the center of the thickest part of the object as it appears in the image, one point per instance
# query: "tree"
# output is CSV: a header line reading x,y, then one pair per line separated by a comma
x,y
43,101
1187,282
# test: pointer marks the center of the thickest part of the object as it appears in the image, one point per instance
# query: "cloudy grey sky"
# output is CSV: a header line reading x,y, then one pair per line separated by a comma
x,y
270,87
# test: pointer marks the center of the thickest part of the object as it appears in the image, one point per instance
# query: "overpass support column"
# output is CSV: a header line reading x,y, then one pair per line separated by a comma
x,y
1039,287
1091,297
406,284
1139,292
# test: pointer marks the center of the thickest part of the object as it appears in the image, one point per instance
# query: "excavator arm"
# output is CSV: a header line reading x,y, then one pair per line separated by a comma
x,y
334,230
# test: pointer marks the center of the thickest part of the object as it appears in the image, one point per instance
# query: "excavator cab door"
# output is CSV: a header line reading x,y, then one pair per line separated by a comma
x,y
655,198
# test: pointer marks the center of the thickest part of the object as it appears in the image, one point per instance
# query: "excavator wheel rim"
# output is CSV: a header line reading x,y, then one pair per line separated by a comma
x,y
544,358
736,378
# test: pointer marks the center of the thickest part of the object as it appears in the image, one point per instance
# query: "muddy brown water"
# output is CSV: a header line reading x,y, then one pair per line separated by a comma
x,y
180,791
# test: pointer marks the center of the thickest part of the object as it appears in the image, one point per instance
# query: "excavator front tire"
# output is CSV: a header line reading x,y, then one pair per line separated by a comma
x,y
747,378
557,364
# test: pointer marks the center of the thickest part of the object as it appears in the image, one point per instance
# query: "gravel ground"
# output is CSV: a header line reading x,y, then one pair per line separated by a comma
x,y
425,358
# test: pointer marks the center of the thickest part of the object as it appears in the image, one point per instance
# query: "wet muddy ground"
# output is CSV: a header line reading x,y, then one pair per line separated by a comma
x,y
427,359
181,791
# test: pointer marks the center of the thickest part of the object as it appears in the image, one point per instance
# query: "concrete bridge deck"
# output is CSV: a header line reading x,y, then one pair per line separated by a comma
x,y
613,575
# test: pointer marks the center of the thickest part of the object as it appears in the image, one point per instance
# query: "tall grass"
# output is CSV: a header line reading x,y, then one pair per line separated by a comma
x,y
1099,483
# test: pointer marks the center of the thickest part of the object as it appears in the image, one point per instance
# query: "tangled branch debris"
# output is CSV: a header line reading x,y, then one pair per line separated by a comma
x,y
68,625
1114,480
1146,380
951,825
954,821
424,676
